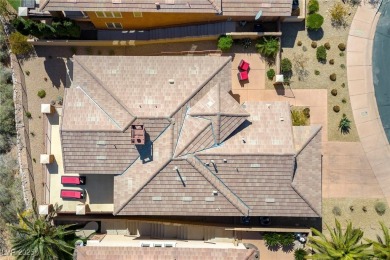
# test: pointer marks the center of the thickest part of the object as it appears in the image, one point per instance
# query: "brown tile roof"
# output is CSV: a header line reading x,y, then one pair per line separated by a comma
x,y
126,253
224,7
183,169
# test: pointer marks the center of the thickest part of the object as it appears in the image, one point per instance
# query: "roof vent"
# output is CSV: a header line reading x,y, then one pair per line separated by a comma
x,y
225,160
215,193
187,199
270,200
101,142
243,140
116,1
175,168
171,81
101,157
209,199
157,198
281,118
268,106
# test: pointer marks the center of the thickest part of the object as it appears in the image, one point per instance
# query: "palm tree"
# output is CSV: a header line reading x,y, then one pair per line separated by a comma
x,y
345,125
268,46
340,246
37,237
382,247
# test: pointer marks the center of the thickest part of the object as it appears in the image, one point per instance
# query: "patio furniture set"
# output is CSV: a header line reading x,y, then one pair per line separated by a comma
x,y
243,70
73,180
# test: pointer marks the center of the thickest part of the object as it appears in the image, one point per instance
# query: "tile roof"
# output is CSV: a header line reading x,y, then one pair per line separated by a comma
x,y
125,253
205,156
224,7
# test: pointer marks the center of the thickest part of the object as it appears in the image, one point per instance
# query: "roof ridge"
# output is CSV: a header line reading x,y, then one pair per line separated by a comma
x,y
201,86
219,184
215,6
310,138
109,92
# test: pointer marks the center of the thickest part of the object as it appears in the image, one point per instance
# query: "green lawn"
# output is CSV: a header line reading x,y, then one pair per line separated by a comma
x,y
15,4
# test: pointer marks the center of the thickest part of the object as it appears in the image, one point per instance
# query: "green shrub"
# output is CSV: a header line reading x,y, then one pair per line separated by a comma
x,y
271,239
314,45
298,118
270,74
314,22
286,65
342,47
286,239
19,44
306,112
333,77
313,6
342,66
331,61
343,85
336,211
300,253
7,118
334,92
28,115
299,43
336,109
327,45
338,14
344,101
41,93
268,46
321,54
225,43
317,72
345,125
380,208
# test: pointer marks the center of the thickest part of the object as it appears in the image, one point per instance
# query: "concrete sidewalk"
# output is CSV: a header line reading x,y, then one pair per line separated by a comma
x,y
361,90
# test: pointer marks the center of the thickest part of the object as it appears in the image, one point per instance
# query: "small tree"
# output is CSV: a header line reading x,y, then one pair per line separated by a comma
x,y
286,65
268,46
299,254
313,6
270,74
19,44
345,125
225,43
338,14
314,22
321,54
382,247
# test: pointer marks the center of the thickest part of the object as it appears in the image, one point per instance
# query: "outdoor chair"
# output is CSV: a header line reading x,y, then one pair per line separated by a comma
x,y
72,194
243,65
73,180
243,75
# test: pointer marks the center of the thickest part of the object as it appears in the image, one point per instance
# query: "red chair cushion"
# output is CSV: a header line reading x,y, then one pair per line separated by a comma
x,y
243,75
71,194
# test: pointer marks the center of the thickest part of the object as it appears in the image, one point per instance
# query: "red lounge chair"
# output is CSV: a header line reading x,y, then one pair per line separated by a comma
x,y
243,65
73,180
72,194
243,75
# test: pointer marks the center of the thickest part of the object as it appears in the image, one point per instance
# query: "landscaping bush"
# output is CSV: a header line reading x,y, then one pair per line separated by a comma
x,y
270,74
313,6
225,43
28,115
342,47
19,44
333,77
314,45
336,211
317,72
304,49
334,92
338,14
321,54
268,46
41,93
342,66
286,65
314,22
286,239
343,85
306,112
59,100
5,75
271,239
380,208
299,43
345,125
298,118
344,101
336,109
300,253
7,117
331,61
327,45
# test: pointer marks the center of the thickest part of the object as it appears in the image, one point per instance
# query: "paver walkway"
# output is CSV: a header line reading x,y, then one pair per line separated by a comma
x,y
361,91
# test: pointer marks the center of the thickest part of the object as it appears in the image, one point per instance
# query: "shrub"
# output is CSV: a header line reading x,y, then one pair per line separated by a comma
x,y
342,47
271,239
317,72
28,115
32,134
314,45
286,239
345,125
342,66
344,101
306,112
52,103
364,208
7,116
331,61
45,79
313,6
334,92
225,43
380,208
338,14
336,211
270,74
304,49
351,208
19,44
336,109
268,46
246,43
314,22
341,54
343,85
59,100
333,77
300,253
327,46
5,75
41,93
299,43
321,54
286,65
298,118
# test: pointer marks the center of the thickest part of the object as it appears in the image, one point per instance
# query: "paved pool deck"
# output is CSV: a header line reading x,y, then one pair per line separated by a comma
x,y
362,94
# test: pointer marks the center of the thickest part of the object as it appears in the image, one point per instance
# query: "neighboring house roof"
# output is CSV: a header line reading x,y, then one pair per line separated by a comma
x,y
207,155
224,7
125,253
